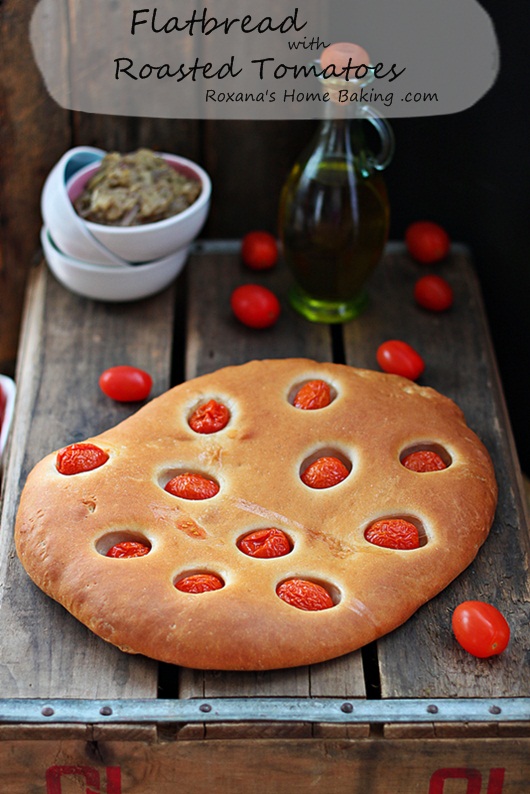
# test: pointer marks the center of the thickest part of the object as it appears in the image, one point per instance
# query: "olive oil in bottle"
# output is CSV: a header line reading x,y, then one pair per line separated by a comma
x,y
334,217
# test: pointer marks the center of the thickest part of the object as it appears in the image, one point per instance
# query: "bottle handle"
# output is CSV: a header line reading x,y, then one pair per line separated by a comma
x,y
386,135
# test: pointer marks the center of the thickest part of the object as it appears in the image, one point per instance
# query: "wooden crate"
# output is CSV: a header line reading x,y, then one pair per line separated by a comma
x,y
410,713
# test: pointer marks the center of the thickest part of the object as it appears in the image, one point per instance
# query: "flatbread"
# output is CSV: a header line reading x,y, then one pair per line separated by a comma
x,y
66,523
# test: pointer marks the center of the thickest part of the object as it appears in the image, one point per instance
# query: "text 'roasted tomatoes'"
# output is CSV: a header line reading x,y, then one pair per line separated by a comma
x,y
259,250
433,293
255,306
125,384
399,358
427,242
480,629
77,458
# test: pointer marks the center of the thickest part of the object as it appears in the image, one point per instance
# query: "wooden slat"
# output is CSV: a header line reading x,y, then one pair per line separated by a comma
x,y
68,341
421,659
427,766
216,339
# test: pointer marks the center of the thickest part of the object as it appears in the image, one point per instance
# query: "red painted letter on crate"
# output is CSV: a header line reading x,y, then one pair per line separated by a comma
x,y
473,778
91,775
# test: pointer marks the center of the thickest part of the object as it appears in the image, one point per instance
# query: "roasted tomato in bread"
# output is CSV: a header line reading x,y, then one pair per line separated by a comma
x,y
190,485
324,472
303,594
199,583
313,395
77,458
210,417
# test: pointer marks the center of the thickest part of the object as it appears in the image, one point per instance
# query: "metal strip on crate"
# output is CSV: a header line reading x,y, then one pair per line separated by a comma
x,y
333,710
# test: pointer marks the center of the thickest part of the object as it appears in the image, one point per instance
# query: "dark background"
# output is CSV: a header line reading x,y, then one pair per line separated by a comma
x,y
468,172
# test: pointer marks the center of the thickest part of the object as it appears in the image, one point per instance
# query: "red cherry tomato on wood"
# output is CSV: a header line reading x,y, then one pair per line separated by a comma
x,y
480,628
399,358
255,306
125,383
305,595
77,458
427,242
259,250
434,293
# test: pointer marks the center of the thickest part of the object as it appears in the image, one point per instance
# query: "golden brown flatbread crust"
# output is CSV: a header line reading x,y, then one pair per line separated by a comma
x,y
65,524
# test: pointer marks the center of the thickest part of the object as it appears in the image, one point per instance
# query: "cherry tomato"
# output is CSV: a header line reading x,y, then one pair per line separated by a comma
x,y
324,473
80,457
393,533
128,548
200,583
192,486
423,460
399,358
259,250
209,417
265,543
305,595
125,383
3,403
433,293
427,242
480,628
255,306
313,395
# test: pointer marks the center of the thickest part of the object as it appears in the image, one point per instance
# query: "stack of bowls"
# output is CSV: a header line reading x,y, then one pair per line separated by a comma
x,y
114,263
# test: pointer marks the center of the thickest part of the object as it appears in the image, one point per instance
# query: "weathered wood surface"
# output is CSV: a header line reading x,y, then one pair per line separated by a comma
x,y
422,659
476,766
68,341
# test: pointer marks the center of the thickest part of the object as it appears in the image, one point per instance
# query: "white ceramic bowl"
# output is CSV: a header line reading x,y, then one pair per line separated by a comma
x,y
150,240
105,283
69,231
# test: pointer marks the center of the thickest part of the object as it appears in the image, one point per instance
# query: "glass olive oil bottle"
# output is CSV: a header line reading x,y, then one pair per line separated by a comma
x,y
334,217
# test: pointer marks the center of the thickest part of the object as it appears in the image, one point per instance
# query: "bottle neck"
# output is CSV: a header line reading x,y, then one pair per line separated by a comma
x,y
343,137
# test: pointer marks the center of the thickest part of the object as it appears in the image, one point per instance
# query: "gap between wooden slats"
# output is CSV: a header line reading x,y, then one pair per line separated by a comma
x,y
67,342
216,339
